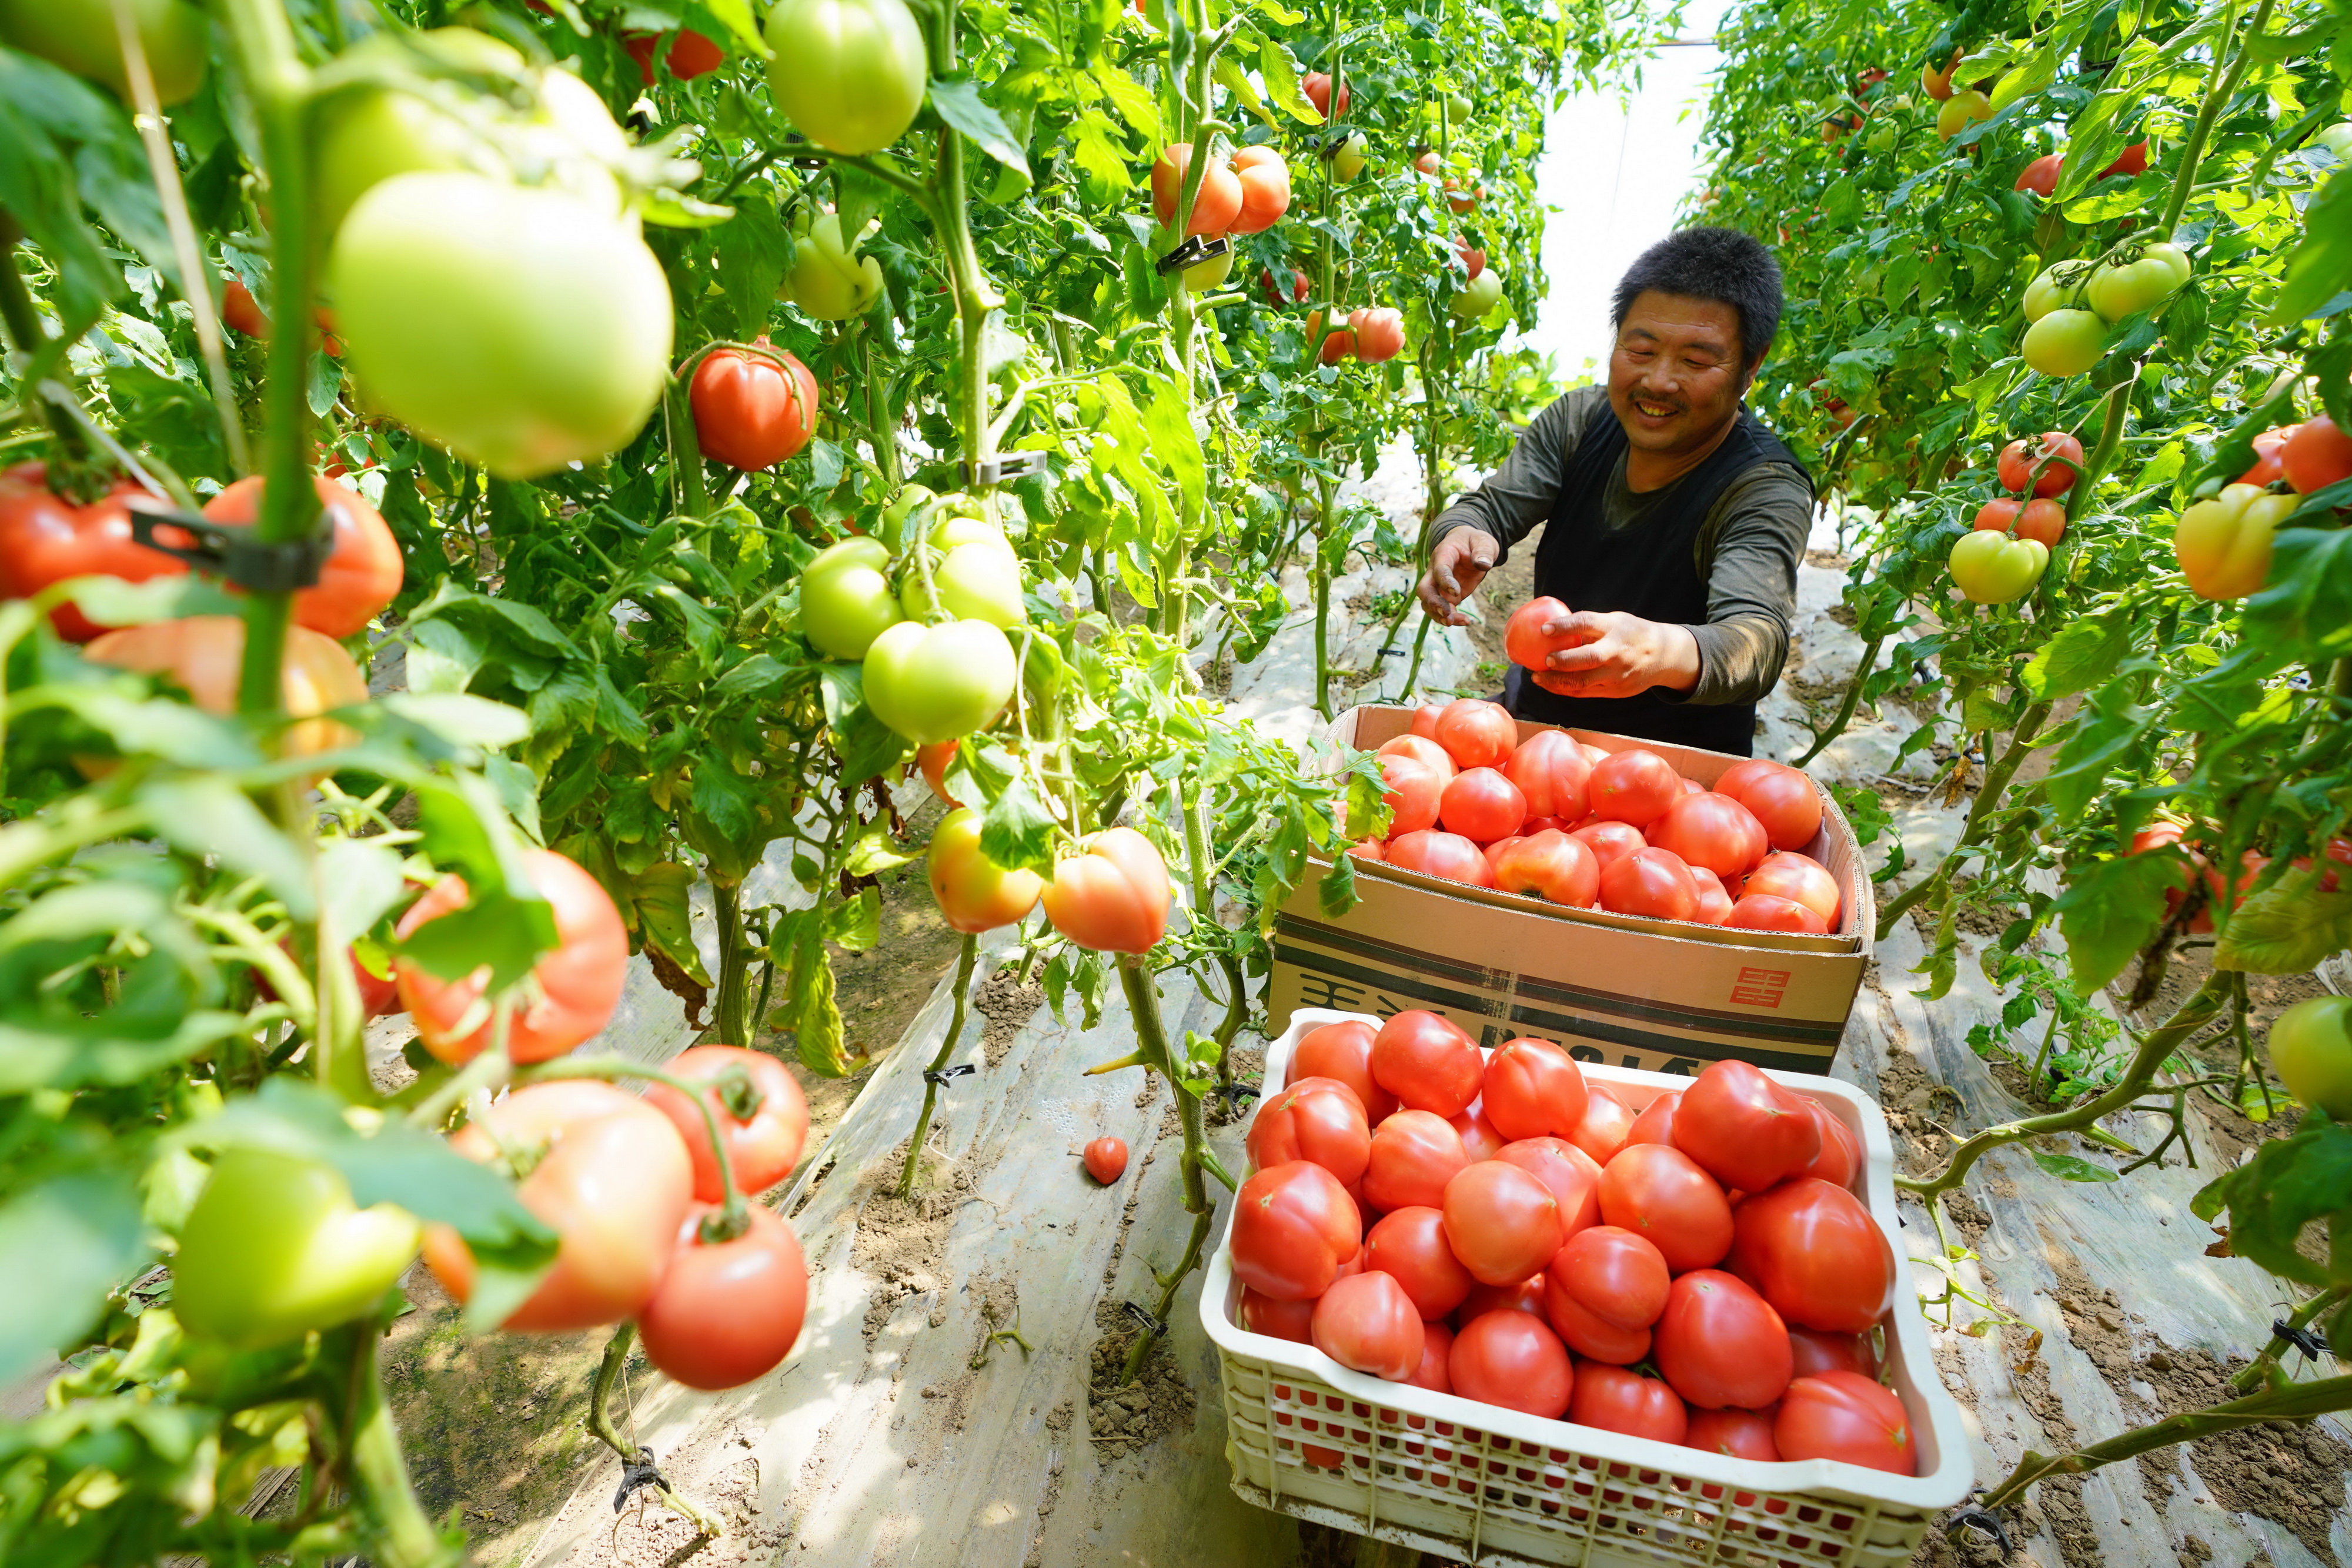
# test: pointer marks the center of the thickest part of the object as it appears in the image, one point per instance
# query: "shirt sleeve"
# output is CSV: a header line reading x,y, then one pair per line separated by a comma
x,y
1517,498
1748,552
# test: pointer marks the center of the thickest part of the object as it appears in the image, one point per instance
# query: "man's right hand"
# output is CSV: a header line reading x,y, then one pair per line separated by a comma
x,y
1457,567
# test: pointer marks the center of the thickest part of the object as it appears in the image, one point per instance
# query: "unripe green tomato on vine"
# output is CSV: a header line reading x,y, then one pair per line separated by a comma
x,y
829,278
2065,342
1475,298
1348,163
2310,1047
275,1248
976,581
2118,291
903,507
2223,544
973,892
365,136
1203,275
79,35
850,73
938,683
2337,138
846,599
1993,569
2056,288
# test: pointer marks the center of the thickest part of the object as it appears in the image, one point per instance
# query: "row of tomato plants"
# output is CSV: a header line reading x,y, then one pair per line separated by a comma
x,y
2068,285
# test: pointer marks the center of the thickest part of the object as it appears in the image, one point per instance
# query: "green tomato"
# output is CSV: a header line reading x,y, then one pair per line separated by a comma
x,y
2065,342
937,682
2118,291
850,73
2057,287
79,35
1458,108
1348,160
1477,296
1203,276
2311,1050
1961,110
2338,139
846,599
829,279
275,1248
977,581
367,135
903,507
1993,569
523,328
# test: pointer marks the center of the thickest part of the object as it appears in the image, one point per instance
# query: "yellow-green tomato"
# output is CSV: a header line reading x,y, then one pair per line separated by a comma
x,y
1961,110
937,682
2337,138
2065,342
829,278
275,1248
978,582
80,36
910,500
845,599
2311,1050
974,893
366,135
2223,544
1203,276
2117,290
1348,160
850,73
1993,569
2057,287
1478,296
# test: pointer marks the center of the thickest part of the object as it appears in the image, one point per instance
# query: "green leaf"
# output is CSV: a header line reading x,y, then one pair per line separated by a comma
x,y
2083,653
958,101
754,252
461,718
2304,612
2289,1183
875,851
2066,1167
77,1235
111,602
2038,71
1336,893
358,882
2286,928
2320,267
818,1031
204,814
857,924
1017,831
1130,98
1280,70
2110,910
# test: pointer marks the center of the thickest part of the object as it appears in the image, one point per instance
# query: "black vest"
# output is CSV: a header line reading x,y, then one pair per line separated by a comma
x,y
1649,569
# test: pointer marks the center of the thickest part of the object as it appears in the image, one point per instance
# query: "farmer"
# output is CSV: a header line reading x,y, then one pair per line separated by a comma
x,y
1676,519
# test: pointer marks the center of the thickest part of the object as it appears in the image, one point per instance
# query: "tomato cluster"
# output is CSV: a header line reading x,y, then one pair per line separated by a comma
x,y
1505,1231
1570,822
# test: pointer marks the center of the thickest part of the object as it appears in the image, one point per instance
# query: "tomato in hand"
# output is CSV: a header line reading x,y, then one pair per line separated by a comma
x,y
1551,773
1771,912
1427,1063
1845,1416
1414,1155
1719,1343
1293,1321
1513,1360
2058,456
613,1180
2310,1048
1605,1127
1525,643
1293,1226
1603,1290
1608,841
727,1311
2317,455
1503,1223
1615,1400
1482,805
1840,1160
1477,733
1365,1323
1816,1351
973,892
1553,866
1410,1244
1651,882
1426,750
1743,1129
1655,1124
762,1116
1661,1194
1738,1434
1782,799
1573,1176
1480,1141
1436,1349
1813,1251
1532,1088
1711,830
1343,1052
1316,1119
275,1248
575,986
1113,896
1801,878
1435,852
1412,793
851,75
1714,904
44,540
363,571
1635,784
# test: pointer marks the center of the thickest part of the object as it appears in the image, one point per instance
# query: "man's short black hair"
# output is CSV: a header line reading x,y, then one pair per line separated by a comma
x,y
1722,264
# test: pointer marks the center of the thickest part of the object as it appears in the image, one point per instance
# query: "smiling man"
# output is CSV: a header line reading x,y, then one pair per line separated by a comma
x,y
1671,520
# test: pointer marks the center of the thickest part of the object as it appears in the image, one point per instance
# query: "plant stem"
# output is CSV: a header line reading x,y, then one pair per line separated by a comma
x,y
400,1536
1151,1049
685,449
1846,705
964,962
2251,1375
2217,98
601,1427
1979,815
730,1014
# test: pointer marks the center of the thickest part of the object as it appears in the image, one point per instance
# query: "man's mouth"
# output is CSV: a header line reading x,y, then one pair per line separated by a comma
x,y
1651,409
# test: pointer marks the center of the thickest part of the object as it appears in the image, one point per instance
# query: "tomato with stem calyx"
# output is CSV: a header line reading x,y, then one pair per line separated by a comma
x,y
2125,288
851,75
752,412
44,540
938,683
2065,341
1994,568
728,1309
973,892
2050,463
762,1116
2058,287
845,599
1113,896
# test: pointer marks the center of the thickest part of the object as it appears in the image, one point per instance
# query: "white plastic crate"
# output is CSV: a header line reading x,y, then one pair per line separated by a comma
x,y
1497,1489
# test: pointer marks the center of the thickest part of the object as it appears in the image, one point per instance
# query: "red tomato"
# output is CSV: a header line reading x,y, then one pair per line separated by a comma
x,y
1660,1194
1813,1251
1552,773
1616,1400
1299,287
241,312
1816,1351
1413,789
1743,1129
1648,882
1844,1416
1603,1290
1482,805
1711,830
1719,1343
1317,87
1785,802
1437,1347
1634,786
727,1311
1436,853
1480,1141
1410,1245
2041,176
1113,896
752,412
1562,824
2270,464
2133,160
1503,1223
1414,1154
614,1183
1369,850
1513,1360
1265,189
1655,1124
2317,455
1714,904
1344,1051
1263,1314
1533,1088
206,654
1800,878
1354,1265
1527,1296
1316,1119
45,541
1606,1124
1741,1434
2044,521
1106,1159
1496,850
1770,912
1293,1227
1425,721
934,760
1477,733
575,987
363,571
1524,641
690,54
2059,455
1997,516
1573,1176
1552,865
1379,335
1427,1063
1424,749
1365,1323
762,1116
1840,1160
1609,841
1215,204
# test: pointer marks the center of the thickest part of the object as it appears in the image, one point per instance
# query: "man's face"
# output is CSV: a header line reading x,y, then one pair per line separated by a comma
x,y
1674,377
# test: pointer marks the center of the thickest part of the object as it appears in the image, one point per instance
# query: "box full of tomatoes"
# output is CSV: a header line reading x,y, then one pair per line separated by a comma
x,y
1513,1309
1648,905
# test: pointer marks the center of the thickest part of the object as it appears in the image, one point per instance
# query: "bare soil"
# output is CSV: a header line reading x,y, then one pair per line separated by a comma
x,y
1123,1419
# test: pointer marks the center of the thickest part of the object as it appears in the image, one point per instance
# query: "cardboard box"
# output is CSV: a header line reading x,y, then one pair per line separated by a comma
x,y
1660,995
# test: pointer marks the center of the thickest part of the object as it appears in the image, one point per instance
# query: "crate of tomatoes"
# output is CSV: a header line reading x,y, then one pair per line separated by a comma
x,y
1649,906
1512,1309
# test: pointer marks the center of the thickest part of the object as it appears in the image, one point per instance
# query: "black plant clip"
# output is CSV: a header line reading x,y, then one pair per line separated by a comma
x,y
2303,1340
1191,253
1237,1091
941,1075
233,551
640,1471
1142,1315
1984,1520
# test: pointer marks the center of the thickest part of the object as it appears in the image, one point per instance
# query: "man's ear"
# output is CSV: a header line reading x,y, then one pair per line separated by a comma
x,y
1750,379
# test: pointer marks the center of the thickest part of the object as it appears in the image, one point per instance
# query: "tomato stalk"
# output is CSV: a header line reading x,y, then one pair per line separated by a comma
x,y
730,1016
601,1427
685,446
1979,818
965,960
2255,1372
2217,97
402,1536
1193,813
1151,1048
974,299
1847,704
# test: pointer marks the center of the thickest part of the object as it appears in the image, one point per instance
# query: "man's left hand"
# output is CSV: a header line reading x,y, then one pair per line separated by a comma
x,y
1613,654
